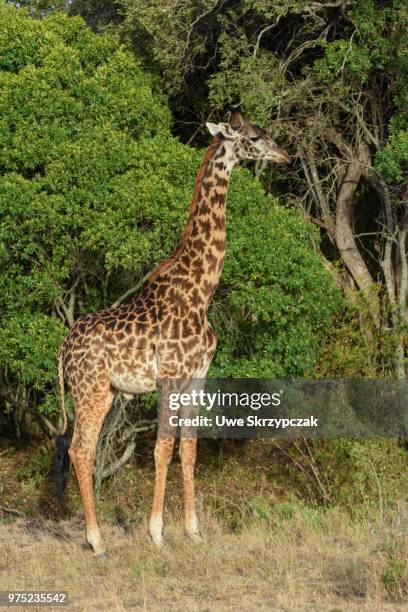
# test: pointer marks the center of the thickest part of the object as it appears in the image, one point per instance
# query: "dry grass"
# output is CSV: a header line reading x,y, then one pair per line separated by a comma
x,y
297,564
262,548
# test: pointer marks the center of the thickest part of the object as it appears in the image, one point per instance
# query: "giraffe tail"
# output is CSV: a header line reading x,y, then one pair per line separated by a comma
x,y
62,391
62,442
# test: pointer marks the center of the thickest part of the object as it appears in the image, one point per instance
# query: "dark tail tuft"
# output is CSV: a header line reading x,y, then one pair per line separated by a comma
x,y
61,463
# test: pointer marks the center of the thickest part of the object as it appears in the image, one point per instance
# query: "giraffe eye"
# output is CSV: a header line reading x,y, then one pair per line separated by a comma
x,y
254,138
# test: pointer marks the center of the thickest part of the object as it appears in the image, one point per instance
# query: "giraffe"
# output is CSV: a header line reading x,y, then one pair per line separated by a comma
x,y
161,336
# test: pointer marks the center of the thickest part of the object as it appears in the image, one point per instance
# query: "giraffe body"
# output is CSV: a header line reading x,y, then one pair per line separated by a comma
x,y
161,336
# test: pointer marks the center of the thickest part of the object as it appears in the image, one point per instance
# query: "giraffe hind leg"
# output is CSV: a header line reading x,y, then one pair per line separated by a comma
x,y
89,419
162,456
188,451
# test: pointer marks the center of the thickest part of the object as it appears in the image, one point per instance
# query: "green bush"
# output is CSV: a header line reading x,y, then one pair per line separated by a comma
x,y
367,475
277,296
94,191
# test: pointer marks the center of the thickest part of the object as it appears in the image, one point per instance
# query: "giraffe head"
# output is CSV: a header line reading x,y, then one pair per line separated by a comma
x,y
248,141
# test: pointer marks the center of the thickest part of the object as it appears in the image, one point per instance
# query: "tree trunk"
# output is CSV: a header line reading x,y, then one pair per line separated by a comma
x,y
344,234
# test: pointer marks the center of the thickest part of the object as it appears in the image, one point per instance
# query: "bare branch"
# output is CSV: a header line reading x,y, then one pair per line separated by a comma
x,y
20,405
190,140
130,291
105,283
318,6
347,53
262,32
134,429
308,44
386,261
113,467
11,511
49,426
217,5
67,310
315,179
337,139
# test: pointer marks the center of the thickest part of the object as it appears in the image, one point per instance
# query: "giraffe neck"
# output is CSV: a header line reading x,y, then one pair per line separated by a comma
x,y
198,258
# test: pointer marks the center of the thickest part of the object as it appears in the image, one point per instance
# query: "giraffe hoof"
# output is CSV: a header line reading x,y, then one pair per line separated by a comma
x,y
101,555
156,531
157,540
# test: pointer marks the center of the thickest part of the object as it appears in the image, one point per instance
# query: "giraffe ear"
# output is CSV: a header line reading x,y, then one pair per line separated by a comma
x,y
213,129
220,129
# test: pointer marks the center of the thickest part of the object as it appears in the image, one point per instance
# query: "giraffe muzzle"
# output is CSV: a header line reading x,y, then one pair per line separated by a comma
x,y
282,157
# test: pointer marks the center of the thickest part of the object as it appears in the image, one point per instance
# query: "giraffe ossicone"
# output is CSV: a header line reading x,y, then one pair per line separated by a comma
x,y
162,335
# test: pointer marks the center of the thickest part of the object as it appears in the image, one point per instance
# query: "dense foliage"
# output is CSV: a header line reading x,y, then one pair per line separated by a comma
x,y
94,191
331,79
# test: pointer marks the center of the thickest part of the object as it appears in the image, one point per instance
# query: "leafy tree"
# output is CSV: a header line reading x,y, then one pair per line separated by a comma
x,y
330,78
94,191
98,14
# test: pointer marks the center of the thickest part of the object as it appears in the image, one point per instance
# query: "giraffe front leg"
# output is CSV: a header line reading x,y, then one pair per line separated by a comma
x,y
162,457
188,453
188,443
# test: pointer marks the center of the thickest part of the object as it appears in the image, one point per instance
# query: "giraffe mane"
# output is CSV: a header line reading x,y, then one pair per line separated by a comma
x,y
167,263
